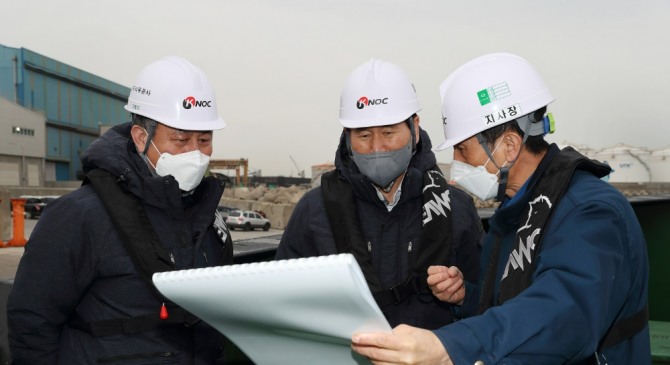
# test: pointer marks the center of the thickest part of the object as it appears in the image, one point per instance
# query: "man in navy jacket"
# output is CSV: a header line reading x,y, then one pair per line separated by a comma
x,y
387,202
564,265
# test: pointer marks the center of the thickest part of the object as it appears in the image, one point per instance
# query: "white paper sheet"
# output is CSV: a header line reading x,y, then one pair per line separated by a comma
x,y
300,311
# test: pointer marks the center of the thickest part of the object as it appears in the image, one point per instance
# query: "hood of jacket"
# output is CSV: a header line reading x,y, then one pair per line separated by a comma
x,y
422,160
115,152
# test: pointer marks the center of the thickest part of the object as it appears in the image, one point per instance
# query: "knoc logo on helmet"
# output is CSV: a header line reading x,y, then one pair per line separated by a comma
x,y
190,102
363,101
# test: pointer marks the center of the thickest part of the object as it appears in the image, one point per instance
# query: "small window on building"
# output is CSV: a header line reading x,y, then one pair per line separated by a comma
x,y
23,131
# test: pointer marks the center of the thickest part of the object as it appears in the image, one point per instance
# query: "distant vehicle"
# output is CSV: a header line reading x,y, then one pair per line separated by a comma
x,y
48,199
247,220
34,205
224,210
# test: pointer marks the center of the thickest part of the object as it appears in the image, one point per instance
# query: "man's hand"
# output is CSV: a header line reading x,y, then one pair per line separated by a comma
x,y
447,284
406,345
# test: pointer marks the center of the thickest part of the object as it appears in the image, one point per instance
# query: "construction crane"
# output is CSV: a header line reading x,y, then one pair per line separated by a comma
x,y
301,173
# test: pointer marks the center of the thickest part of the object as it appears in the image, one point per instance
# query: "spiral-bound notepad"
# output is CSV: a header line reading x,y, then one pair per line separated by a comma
x,y
300,311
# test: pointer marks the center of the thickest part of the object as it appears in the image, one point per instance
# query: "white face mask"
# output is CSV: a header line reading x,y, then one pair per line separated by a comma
x,y
476,180
187,168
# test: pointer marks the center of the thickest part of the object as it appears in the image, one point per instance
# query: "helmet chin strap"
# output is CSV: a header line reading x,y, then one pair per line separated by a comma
x,y
151,130
410,124
504,170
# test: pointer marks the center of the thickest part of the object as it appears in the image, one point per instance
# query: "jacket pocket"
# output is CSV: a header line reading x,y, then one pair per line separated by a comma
x,y
166,357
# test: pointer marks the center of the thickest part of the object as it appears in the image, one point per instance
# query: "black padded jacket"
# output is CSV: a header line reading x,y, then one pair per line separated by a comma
x,y
75,266
390,233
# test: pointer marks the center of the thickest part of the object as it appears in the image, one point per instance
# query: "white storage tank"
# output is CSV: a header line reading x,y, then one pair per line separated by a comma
x,y
628,163
659,163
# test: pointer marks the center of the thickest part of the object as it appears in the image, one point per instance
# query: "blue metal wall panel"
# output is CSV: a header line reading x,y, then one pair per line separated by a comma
x,y
63,98
62,171
75,152
94,105
112,96
53,143
85,106
74,102
50,105
7,70
65,141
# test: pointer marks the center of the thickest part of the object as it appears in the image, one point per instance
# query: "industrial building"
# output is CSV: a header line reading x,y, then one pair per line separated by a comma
x,y
49,113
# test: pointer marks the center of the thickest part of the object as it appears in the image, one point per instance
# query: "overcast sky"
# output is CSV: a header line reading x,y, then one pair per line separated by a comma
x,y
278,66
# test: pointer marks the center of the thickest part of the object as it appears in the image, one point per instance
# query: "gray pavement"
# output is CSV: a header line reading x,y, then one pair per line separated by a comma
x,y
243,243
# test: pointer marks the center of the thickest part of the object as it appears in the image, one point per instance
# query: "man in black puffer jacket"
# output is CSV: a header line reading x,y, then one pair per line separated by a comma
x,y
83,292
387,203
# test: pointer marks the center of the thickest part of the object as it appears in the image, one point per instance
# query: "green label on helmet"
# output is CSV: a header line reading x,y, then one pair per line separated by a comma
x,y
495,92
483,96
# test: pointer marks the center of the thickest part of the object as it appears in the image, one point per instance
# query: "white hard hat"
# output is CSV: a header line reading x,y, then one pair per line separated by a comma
x,y
176,93
377,93
488,91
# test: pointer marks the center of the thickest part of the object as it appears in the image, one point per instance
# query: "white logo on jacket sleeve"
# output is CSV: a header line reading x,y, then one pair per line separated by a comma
x,y
436,206
518,258
432,181
220,227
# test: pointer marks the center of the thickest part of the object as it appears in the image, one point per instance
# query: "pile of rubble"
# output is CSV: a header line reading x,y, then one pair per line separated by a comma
x,y
292,194
261,193
278,203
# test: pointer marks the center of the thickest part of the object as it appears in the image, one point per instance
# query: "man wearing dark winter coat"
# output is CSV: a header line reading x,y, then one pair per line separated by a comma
x,y
564,263
387,203
83,292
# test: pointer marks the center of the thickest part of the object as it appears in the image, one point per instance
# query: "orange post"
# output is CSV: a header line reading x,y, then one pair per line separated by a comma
x,y
18,222
2,243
